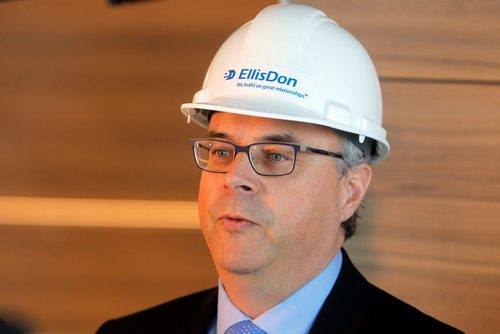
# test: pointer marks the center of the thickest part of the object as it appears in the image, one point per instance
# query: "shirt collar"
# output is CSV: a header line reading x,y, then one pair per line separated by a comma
x,y
295,314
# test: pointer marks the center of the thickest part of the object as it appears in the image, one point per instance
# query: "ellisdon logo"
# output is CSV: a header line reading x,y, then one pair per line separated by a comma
x,y
257,74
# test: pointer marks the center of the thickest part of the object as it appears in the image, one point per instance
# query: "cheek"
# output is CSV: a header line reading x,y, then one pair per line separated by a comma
x,y
206,197
310,207
210,185
293,208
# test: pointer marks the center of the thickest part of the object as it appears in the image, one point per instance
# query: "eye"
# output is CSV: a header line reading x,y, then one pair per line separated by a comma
x,y
276,157
221,153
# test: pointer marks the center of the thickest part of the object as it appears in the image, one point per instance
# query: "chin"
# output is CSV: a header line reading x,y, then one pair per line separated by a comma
x,y
238,265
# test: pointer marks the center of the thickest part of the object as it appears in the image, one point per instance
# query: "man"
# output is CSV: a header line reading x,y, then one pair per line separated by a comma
x,y
293,109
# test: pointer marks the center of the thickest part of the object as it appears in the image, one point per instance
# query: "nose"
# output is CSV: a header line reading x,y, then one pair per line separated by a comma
x,y
241,176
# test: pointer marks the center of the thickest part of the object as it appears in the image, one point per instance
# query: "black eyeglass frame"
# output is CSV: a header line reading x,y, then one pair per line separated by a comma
x,y
246,149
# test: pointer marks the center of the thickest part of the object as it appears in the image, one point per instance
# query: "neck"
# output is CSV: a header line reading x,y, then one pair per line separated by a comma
x,y
257,293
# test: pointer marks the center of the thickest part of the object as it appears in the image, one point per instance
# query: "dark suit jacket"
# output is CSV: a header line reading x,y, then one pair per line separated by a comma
x,y
353,306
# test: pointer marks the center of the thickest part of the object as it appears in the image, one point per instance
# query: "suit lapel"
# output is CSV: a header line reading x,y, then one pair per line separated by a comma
x,y
208,311
348,306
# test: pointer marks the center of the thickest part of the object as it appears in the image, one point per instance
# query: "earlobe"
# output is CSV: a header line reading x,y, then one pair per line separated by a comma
x,y
356,184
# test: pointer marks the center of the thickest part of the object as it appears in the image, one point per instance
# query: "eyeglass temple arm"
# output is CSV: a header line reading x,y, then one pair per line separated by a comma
x,y
323,152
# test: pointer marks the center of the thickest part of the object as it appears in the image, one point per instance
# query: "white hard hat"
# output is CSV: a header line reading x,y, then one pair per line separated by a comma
x,y
294,63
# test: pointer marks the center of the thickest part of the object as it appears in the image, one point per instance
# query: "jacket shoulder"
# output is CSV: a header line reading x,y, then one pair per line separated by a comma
x,y
390,313
354,305
181,315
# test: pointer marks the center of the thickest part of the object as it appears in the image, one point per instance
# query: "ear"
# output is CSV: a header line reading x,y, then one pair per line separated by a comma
x,y
355,185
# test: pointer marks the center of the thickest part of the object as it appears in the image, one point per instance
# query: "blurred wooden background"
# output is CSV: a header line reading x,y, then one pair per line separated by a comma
x,y
98,187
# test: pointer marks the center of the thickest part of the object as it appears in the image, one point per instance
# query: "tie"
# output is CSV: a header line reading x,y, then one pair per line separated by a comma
x,y
244,327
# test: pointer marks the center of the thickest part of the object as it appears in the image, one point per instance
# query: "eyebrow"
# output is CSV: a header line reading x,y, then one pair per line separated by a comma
x,y
281,138
217,134
275,137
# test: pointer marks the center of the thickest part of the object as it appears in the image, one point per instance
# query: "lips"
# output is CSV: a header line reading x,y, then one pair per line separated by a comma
x,y
235,221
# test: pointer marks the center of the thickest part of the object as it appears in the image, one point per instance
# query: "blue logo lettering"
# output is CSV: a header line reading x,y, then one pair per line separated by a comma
x,y
229,74
257,74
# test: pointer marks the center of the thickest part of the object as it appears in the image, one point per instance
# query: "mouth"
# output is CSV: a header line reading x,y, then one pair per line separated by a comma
x,y
235,221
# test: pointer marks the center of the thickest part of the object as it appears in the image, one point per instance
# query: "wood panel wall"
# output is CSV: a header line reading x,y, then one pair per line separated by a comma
x,y
94,158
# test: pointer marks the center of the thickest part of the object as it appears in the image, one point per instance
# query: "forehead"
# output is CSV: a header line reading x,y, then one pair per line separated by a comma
x,y
242,128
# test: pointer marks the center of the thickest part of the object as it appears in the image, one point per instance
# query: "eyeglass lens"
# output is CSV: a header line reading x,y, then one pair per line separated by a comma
x,y
266,158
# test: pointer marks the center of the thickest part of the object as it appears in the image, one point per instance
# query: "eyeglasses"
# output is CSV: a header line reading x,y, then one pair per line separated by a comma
x,y
267,158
